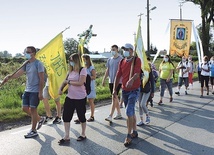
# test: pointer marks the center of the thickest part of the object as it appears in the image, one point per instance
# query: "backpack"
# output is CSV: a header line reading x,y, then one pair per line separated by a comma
x,y
155,74
87,83
205,64
45,72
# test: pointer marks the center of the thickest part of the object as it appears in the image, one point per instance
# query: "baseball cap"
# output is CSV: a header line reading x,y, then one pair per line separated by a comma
x,y
128,45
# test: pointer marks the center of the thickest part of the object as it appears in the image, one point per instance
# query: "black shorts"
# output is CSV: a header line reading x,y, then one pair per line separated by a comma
x,y
111,85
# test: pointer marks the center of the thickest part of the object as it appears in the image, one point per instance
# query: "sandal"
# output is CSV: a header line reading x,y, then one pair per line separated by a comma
x,y
77,121
134,134
63,141
81,138
128,140
91,119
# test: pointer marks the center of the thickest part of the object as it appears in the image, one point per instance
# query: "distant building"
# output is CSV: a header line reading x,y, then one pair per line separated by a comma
x,y
98,57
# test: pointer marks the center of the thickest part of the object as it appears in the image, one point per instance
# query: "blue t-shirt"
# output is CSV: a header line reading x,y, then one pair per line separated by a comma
x,y
32,69
211,70
89,70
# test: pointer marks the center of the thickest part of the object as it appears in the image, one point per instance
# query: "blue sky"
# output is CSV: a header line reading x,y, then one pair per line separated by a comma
x,y
24,22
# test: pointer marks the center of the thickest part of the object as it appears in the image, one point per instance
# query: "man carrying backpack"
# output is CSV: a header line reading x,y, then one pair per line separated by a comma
x,y
33,90
183,68
130,74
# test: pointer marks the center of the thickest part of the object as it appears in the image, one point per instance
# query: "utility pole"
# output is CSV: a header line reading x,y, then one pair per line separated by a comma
x,y
148,29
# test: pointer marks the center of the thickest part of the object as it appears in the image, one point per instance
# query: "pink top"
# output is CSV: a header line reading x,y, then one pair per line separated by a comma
x,y
76,92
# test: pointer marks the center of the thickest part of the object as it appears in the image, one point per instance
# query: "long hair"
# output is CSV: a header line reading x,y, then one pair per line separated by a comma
x,y
76,59
87,59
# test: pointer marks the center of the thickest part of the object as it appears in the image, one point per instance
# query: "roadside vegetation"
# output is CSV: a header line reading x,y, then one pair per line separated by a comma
x,y
10,93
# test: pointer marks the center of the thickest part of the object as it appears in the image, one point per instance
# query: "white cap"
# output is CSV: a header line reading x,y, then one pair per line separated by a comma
x,y
128,45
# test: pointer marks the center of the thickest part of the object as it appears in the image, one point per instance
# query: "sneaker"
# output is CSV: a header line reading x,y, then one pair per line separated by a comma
x,y
160,102
178,93
207,93
40,123
201,96
171,99
109,118
140,123
57,120
213,92
118,116
147,120
186,93
48,118
31,134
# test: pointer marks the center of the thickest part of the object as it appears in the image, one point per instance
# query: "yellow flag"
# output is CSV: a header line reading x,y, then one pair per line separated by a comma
x,y
53,57
142,54
180,37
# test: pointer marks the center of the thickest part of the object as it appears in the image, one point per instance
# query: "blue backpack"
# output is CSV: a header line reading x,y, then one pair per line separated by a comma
x,y
37,66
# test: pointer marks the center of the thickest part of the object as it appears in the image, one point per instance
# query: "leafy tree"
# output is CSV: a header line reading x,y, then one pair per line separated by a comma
x,y
207,16
5,54
19,55
71,46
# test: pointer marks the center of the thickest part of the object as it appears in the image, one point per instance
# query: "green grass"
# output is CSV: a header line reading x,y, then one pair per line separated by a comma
x,y
10,101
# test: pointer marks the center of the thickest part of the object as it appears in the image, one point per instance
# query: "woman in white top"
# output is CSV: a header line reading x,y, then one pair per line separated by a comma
x,y
205,73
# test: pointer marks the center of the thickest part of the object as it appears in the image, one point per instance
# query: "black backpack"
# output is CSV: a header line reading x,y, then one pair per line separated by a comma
x,y
87,83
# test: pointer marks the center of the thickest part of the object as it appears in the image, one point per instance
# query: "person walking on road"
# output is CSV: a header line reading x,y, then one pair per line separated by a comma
x,y
46,97
145,93
205,74
129,69
75,99
212,73
191,70
198,66
183,68
34,70
166,70
92,72
112,66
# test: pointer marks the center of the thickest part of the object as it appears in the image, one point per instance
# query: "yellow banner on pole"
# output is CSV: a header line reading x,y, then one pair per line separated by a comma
x,y
180,37
53,57
142,54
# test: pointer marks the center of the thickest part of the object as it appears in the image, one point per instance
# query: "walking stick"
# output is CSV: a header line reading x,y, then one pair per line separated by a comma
x,y
4,81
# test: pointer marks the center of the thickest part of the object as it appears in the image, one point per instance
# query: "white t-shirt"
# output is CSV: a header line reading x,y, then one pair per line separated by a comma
x,y
185,65
205,66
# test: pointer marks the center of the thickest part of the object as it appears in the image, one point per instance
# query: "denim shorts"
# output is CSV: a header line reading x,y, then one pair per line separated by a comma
x,y
30,99
181,79
130,98
47,95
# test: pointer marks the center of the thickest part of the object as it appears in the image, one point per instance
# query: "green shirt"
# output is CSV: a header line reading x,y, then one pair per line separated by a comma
x,y
165,69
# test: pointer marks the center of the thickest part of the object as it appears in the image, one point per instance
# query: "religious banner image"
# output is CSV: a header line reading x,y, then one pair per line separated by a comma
x,y
180,37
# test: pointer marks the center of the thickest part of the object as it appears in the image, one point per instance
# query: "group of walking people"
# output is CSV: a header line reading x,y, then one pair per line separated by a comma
x,y
122,72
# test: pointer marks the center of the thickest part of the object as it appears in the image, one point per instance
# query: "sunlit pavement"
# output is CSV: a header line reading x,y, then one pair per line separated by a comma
x,y
185,126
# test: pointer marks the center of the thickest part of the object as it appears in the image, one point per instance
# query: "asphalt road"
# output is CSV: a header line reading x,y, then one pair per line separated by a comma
x,y
185,126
